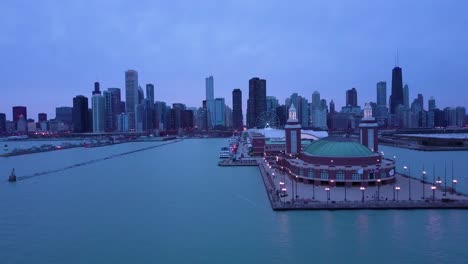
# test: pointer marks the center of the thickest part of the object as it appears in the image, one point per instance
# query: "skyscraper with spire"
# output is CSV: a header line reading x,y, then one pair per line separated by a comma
x,y
396,98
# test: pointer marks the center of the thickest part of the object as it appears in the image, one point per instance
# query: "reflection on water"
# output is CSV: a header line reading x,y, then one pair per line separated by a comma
x,y
147,207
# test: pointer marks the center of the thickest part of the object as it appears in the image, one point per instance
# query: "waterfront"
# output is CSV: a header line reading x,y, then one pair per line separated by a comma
x,y
174,204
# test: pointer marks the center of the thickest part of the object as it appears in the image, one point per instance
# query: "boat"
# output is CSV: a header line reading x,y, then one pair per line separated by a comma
x,y
224,153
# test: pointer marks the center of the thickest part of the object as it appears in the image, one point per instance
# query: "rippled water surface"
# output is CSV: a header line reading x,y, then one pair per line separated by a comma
x,y
173,204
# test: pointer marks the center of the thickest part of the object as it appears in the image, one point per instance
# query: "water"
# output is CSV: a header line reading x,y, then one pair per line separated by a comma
x,y
172,204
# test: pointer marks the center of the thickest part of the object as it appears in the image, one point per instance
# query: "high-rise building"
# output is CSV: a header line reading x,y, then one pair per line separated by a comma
x,y
381,112
351,97
305,112
80,114
42,117
406,96
19,111
396,98
256,103
332,107
315,99
141,95
2,123
318,112
150,92
108,112
116,107
431,104
187,119
64,114
160,115
272,103
122,122
237,117
220,113
461,113
209,88
382,93
98,107
131,97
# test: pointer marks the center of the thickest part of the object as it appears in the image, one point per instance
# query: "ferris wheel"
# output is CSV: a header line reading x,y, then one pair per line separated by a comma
x,y
267,119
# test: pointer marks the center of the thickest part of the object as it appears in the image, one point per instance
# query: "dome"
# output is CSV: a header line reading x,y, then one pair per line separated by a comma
x,y
337,147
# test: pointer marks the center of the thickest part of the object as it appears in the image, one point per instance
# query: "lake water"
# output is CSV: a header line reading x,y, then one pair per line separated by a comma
x,y
173,204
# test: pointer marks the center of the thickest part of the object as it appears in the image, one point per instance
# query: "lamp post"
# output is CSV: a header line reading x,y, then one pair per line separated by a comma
x,y
313,190
378,190
362,190
433,188
281,183
439,182
409,181
423,182
327,189
297,196
345,187
454,184
397,188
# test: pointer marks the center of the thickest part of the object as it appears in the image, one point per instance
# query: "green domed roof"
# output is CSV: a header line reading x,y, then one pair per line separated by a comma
x,y
337,147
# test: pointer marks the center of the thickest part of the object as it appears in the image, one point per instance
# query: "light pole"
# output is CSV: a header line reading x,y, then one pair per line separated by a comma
x,y
423,182
297,196
362,190
327,189
313,190
454,184
345,187
433,192
397,188
281,183
378,190
409,181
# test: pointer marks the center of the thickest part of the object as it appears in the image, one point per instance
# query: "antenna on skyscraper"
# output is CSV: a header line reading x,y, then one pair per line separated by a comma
x,y
397,58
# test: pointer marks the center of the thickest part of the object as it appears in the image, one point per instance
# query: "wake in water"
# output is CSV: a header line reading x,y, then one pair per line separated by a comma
x,y
18,178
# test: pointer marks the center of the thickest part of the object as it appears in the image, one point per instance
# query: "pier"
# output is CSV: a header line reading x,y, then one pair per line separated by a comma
x,y
303,196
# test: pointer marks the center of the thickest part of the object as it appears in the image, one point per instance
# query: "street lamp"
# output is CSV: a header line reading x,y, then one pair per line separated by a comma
x,y
454,185
397,188
439,182
433,188
362,190
423,182
328,193
313,190
409,181
378,190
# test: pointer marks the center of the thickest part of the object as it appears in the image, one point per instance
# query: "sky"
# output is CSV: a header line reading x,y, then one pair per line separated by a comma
x,y
51,51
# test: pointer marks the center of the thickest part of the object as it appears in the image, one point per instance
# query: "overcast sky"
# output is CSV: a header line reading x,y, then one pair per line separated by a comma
x,y
51,51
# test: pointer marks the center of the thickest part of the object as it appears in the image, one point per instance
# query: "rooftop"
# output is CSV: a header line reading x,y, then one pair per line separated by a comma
x,y
338,147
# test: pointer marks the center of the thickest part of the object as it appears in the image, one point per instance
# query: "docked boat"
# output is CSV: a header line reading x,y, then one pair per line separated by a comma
x,y
224,153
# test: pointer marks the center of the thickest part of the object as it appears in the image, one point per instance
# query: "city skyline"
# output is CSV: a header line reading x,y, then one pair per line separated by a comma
x,y
329,49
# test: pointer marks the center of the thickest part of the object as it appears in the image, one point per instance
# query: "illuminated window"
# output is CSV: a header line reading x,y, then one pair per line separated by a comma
x,y
324,175
356,176
340,175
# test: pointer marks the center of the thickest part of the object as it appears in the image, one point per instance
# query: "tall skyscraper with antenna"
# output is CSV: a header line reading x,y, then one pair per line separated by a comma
x,y
396,98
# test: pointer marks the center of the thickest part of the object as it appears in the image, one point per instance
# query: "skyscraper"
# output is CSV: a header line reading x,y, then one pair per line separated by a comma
x,y
220,113
2,123
382,93
108,111
351,97
397,90
19,111
431,104
98,107
64,114
332,107
150,92
272,103
116,107
237,117
131,95
382,111
80,114
42,117
256,103
209,87
406,97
